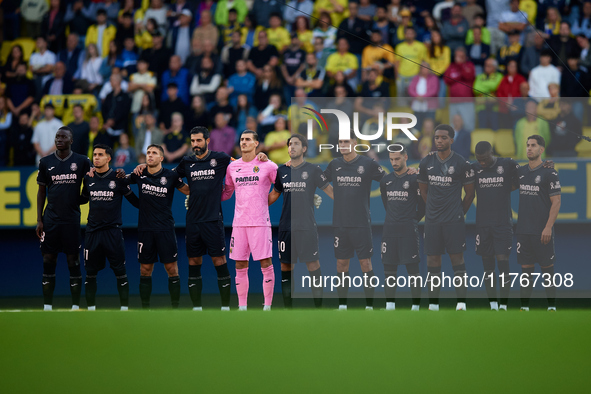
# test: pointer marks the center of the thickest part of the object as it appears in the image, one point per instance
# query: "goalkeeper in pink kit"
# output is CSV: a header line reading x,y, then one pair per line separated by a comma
x,y
251,230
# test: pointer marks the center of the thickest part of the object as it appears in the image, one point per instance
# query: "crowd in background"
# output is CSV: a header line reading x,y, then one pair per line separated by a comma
x,y
138,72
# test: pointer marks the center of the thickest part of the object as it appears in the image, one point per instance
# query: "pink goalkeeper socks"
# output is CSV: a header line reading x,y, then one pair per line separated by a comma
x,y
242,286
268,284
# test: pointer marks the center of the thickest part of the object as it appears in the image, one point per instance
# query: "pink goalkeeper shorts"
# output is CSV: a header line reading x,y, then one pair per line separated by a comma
x,y
247,240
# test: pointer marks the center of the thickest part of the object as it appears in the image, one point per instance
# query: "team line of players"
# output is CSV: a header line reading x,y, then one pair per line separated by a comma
x,y
435,192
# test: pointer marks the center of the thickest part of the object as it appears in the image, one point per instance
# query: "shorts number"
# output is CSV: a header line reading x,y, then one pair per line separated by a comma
x,y
518,246
383,247
336,242
43,236
281,246
141,245
477,239
85,254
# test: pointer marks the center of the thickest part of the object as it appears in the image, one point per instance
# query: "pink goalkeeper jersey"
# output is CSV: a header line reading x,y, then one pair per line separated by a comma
x,y
252,181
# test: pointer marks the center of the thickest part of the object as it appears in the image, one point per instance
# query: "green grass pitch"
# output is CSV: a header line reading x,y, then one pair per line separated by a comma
x,y
299,351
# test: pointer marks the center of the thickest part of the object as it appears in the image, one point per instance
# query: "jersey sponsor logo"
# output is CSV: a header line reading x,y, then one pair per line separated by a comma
x,y
73,167
451,170
348,179
469,174
256,169
479,171
323,177
338,168
304,175
389,183
555,185
500,170
91,184
201,173
155,189
439,178
495,181
396,193
163,181
380,169
406,185
294,187
213,162
102,193
50,168
191,166
429,168
112,185
538,179
64,178
529,188
284,176
253,178
360,170
238,170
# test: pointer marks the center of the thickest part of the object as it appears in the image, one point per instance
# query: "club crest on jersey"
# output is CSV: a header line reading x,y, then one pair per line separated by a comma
x,y
256,169
500,170
406,185
304,175
538,179
73,167
112,185
163,181
451,170
213,162
360,170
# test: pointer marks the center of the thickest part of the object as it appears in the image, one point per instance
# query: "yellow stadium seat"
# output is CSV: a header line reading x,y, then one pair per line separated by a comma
x,y
504,143
28,45
482,135
587,131
5,51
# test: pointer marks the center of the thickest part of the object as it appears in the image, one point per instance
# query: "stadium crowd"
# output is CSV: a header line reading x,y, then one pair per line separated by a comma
x,y
137,72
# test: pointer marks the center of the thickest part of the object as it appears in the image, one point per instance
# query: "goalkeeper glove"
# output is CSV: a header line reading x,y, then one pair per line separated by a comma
x,y
187,203
317,201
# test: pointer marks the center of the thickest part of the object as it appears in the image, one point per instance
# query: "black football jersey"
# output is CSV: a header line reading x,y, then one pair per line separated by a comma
x,y
403,203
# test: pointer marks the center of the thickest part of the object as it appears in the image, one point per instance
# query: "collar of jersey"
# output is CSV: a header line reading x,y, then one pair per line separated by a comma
x,y
154,174
105,174
204,157
400,176
60,159
492,164
352,161
300,166
448,157
535,169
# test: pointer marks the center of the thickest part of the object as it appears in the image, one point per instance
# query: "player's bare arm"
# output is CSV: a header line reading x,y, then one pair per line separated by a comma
x,y
423,187
184,189
273,196
41,194
468,198
547,233
329,191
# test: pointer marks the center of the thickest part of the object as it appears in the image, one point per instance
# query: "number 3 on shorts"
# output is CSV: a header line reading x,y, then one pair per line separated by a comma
x,y
336,242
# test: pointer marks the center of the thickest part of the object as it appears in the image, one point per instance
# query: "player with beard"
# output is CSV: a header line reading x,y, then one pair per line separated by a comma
x,y
539,204
298,235
251,229
58,224
104,239
441,178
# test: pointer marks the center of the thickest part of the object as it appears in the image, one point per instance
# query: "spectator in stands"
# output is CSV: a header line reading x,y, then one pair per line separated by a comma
x,y
582,25
23,151
365,10
90,70
462,139
222,104
250,31
343,103
442,11
141,83
424,87
176,10
311,78
108,88
508,91
233,52
263,11
297,8
262,55
111,8
552,23
124,155
301,27
343,61
575,83
101,34
41,63
78,19
44,134
279,37
387,28
296,115
353,28
53,26
337,9
224,6
378,90
543,75
325,30
244,110
206,30
269,115
72,57
33,12
144,33
20,91
128,58
470,10
485,32
158,12
529,125
125,28
513,20
232,26
158,56
240,83
530,57
58,84
494,10
339,79
407,68
454,31
148,106
513,51
564,45
393,8
425,143
438,57
267,85
478,52
294,62
97,135
206,82
180,36
173,103
111,61
80,130
549,108
208,49
116,108
485,85
459,78
276,142
321,52
176,142
180,76
378,56
222,137
15,57
11,18
148,134
5,123
565,130
585,46
405,16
